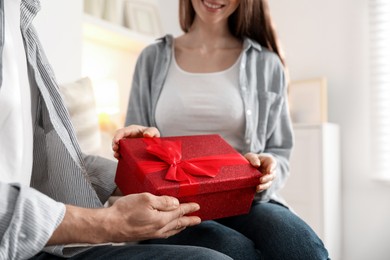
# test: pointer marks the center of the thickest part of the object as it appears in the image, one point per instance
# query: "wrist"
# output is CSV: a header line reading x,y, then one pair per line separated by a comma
x,y
80,225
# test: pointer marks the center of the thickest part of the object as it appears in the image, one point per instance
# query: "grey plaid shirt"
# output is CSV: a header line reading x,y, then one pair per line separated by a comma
x,y
61,173
263,91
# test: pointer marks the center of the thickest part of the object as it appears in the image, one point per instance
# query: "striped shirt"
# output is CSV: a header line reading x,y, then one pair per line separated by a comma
x,y
61,174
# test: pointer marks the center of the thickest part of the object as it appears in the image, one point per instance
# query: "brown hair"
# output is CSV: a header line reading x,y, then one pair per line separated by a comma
x,y
252,19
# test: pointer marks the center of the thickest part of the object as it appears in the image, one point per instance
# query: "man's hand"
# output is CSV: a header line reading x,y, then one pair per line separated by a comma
x,y
131,218
145,216
131,132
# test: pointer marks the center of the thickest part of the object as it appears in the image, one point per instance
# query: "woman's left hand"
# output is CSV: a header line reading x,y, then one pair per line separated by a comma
x,y
266,164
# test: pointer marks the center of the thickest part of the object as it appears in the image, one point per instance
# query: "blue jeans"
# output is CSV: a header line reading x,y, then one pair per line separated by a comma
x,y
142,252
269,231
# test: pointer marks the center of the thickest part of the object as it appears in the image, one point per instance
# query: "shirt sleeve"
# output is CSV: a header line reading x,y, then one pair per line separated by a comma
x,y
28,218
101,172
280,144
278,135
145,87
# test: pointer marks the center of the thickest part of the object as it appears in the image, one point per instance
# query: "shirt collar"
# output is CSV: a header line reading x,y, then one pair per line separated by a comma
x,y
248,43
28,11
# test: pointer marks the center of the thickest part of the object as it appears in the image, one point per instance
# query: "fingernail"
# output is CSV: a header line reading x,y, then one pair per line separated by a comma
x,y
197,207
176,202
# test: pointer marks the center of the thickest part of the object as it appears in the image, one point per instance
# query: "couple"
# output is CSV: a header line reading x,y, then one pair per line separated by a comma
x,y
224,75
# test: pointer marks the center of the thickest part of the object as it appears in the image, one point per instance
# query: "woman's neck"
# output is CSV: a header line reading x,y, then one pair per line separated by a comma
x,y
209,37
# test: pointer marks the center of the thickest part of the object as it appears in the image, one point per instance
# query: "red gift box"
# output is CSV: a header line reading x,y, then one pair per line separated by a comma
x,y
204,169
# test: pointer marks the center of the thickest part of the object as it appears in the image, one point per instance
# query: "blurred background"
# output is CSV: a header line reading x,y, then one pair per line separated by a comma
x,y
339,94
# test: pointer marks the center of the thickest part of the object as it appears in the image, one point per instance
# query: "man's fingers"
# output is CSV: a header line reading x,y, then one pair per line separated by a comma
x,y
167,203
171,232
182,222
179,224
164,203
176,217
186,208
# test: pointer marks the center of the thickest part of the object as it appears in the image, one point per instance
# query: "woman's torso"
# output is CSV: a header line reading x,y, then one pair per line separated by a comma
x,y
203,97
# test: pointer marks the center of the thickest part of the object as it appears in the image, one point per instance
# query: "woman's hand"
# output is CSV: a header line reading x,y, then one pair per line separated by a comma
x,y
132,131
267,166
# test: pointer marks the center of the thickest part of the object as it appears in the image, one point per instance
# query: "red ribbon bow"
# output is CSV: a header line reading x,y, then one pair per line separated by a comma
x,y
184,170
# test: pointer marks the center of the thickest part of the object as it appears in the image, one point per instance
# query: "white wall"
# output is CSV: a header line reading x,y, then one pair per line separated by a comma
x,y
59,27
169,13
330,38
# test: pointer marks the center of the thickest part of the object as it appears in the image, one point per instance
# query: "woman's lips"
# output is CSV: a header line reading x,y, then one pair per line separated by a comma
x,y
213,6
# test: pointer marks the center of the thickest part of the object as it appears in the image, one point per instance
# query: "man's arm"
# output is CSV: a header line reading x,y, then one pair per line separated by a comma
x,y
27,220
131,218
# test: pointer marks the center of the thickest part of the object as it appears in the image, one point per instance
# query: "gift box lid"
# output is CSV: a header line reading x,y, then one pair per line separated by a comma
x,y
209,154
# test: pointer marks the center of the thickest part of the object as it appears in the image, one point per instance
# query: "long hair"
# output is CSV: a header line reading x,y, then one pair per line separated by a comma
x,y
252,19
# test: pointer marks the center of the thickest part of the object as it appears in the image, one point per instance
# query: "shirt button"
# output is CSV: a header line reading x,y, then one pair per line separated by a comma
x,y
243,88
243,66
247,141
249,112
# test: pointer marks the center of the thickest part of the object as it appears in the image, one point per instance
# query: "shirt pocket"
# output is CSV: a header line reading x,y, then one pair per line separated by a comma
x,y
270,107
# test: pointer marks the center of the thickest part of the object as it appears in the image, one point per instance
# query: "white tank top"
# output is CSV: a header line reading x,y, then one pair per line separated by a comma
x,y
202,103
16,134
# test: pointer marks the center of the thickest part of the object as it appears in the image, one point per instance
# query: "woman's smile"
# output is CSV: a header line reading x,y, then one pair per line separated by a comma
x,y
212,11
212,6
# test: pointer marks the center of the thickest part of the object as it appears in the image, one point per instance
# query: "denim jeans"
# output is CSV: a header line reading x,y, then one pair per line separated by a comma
x,y
269,231
142,252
